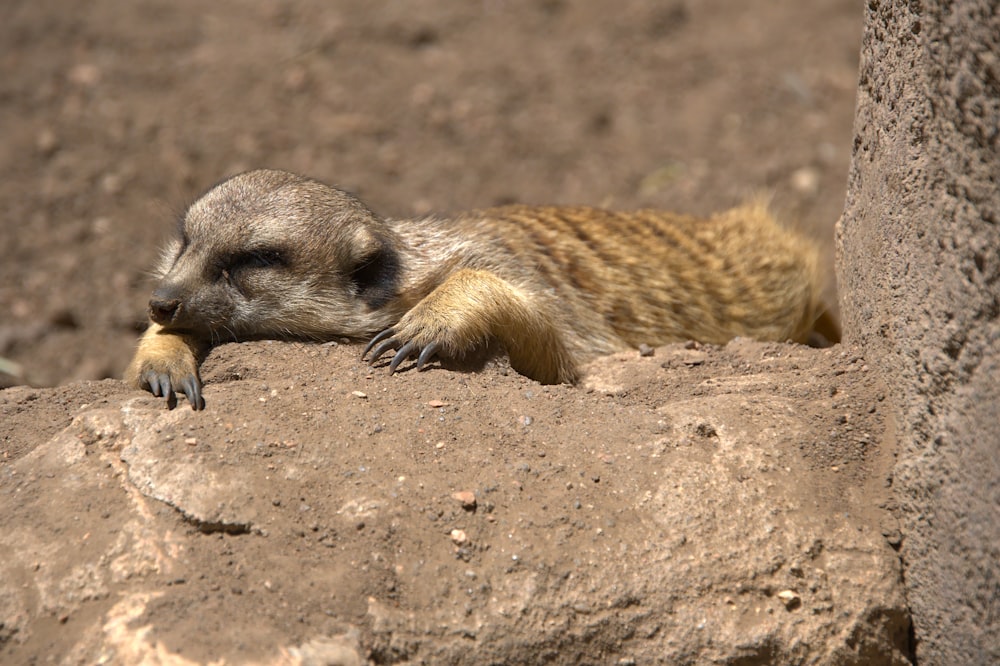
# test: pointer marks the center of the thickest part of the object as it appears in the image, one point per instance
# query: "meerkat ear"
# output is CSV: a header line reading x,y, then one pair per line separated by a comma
x,y
375,270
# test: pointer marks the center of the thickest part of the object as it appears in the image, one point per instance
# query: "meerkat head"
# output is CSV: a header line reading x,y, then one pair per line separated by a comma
x,y
272,254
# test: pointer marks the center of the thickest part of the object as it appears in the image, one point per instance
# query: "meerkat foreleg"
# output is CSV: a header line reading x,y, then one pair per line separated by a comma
x,y
167,364
466,312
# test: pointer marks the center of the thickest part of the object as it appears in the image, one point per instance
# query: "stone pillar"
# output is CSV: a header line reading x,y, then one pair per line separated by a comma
x,y
919,271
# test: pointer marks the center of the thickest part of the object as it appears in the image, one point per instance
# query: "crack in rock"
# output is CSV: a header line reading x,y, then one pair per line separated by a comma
x,y
211,496
215,527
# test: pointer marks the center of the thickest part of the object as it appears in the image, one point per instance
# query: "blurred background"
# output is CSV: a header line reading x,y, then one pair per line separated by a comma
x,y
115,115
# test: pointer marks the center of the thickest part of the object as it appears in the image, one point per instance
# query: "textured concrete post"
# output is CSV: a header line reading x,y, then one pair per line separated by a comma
x,y
919,271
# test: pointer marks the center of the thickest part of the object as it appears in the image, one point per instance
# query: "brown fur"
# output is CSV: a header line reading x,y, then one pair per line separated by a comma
x,y
272,254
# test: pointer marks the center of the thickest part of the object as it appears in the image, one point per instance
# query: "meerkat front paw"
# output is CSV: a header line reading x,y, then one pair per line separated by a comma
x,y
165,365
167,383
451,322
404,350
468,311
419,334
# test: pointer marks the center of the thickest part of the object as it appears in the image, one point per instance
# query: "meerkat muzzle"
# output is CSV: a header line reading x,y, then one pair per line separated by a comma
x,y
162,310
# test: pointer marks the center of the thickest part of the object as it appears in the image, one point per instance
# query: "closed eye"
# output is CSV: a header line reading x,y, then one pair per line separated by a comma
x,y
266,258
263,258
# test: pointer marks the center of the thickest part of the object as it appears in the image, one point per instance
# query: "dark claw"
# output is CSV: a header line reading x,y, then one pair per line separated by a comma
x,y
154,383
381,336
166,390
427,354
385,341
169,393
401,355
160,386
391,343
192,389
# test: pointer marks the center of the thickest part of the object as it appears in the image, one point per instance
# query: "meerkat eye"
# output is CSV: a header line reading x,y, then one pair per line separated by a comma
x,y
264,258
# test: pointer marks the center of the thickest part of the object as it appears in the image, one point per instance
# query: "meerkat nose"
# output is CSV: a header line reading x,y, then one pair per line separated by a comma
x,y
162,310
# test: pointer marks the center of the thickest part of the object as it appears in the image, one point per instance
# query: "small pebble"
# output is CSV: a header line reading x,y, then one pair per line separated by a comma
x,y
359,394
806,180
466,497
84,75
47,142
693,357
790,598
459,536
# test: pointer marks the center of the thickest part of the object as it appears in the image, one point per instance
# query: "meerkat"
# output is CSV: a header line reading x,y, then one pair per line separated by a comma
x,y
271,254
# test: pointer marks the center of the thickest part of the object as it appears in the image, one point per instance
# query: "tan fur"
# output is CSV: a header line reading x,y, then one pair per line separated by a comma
x,y
272,254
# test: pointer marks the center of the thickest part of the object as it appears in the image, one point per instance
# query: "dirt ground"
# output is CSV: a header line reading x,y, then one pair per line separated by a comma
x,y
116,115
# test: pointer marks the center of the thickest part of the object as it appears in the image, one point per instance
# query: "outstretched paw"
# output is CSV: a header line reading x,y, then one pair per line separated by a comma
x,y
161,385
166,364
405,349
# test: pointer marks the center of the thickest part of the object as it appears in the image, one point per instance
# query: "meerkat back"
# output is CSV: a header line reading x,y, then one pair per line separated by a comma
x,y
620,279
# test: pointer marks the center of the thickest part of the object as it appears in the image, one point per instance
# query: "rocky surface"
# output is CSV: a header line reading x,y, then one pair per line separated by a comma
x,y
320,511
920,275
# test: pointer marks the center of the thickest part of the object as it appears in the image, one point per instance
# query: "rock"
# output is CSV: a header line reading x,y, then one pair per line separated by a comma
x,y
118,508
790,598
466,497
806,181
920,279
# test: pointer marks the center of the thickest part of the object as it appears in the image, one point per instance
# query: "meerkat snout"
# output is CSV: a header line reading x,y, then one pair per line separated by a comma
x,y
163,307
